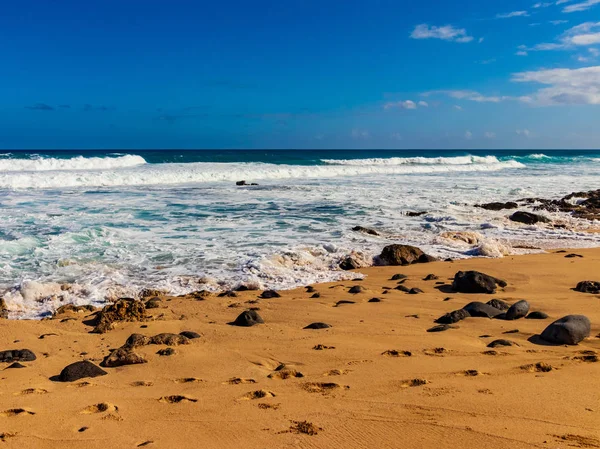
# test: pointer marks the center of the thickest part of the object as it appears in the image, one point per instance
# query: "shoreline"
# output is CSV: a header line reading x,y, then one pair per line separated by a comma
x,y
376,379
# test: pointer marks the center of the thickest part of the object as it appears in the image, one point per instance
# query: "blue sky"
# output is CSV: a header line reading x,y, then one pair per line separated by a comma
x,y
300,74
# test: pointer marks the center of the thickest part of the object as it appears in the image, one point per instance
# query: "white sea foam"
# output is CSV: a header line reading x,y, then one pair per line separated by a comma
x,y
75,163
170,174
458,160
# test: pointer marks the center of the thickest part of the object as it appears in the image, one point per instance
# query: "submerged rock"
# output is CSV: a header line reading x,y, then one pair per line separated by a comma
x,y
498,206
476,282
365,230
569,330
528,218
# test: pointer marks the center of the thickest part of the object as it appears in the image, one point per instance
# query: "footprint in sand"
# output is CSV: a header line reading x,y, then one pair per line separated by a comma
x,y
6,435
188,380
413,383
239,381
265,406
539,367
396,353
258,394
436,352
141,383
102,407
16,412
176,399
358,362
322,347
587,356
469,373
31,391
285,373
337,372
322,387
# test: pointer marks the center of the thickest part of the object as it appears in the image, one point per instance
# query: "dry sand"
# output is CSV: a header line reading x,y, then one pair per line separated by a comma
x,y
353,394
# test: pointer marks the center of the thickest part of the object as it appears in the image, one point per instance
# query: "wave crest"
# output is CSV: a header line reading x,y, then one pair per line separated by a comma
x,y
75,163
458,160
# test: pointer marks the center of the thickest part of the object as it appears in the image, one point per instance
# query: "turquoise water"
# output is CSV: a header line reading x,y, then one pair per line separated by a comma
x,y
111,223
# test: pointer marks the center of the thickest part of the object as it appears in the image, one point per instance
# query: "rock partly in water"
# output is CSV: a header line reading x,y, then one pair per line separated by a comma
x,y
3,309
528,218
403,255
349,263
248,318
365,230
481,310
17,355
122,310
476,282
498,206
520,309
80,370
588,287
569,330
318,326
453,317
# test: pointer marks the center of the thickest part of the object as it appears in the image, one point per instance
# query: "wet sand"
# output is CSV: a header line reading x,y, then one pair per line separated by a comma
x,y
375,379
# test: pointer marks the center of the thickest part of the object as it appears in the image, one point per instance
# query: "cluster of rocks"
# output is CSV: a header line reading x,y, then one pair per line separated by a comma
x,y
125,309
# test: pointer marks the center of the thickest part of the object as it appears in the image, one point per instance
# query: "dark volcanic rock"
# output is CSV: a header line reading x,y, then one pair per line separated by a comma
x,y
153,303
528,218
588,287
169,339
122,310
537,316
499,304
190,335
247,319
415,291
349,263
166,351
137,340
498,206
501,342
227,294
573,256
481,310
441,328
318,326
416,214
398,277
80,370
310,289
17,355
403,288
520,309
356,289
568,330
15,365
375,300
316,295
403,255
476,282
365,230
430,277
453,317
268,294
122,357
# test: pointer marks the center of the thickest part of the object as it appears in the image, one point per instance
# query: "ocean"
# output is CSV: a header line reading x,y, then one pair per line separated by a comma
x,y
84,227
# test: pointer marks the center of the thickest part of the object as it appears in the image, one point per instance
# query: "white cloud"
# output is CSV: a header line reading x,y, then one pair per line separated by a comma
x,y
512,14
582,6
543,4
523,132
489,135
470,95
558,22
585,34
480,40
360,134
521,53
406,104
565,86
457,107
423,104
468,135
446,33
